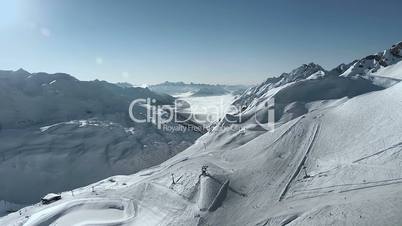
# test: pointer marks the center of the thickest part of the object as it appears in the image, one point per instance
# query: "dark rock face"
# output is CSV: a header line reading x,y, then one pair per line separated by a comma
x,y
396,50
340,69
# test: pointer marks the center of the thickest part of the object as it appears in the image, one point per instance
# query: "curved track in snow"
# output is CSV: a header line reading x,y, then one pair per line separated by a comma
x,y
98,211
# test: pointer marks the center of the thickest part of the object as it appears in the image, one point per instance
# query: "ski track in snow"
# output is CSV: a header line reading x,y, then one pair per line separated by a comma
x,y
301,164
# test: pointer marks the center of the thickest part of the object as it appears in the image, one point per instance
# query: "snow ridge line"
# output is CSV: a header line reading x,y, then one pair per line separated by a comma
x,y
299,167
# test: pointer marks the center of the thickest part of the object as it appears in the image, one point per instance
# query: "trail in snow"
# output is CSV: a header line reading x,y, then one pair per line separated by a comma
x,y
301,164
380,152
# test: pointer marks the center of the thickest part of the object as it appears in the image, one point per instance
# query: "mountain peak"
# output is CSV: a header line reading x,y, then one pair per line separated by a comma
x,y
312,64
302,72
22,71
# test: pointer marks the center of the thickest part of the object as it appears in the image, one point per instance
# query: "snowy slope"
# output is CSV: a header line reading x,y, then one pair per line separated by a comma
x,y
332,159
291,99
310,82
336,165
59,133
393,71
253,94
72,154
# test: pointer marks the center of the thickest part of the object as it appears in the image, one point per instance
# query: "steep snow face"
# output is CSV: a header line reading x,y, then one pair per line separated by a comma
x,y
308,91
340,69
251,96
393,71
377,63
292,99
59,133
338,165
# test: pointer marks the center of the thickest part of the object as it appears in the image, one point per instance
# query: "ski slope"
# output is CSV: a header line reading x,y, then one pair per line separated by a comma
x,y
335,165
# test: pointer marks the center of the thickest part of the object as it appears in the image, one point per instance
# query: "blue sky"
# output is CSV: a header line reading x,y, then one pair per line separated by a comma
x,y
209,41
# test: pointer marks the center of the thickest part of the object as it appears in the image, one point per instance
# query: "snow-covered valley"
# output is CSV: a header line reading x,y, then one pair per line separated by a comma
x,y
332,158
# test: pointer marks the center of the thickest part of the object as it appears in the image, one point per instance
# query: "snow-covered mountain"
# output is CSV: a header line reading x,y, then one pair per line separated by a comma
x,y
41,98
310,82
254,94
210,91
336,165
333,158
59,133
376,64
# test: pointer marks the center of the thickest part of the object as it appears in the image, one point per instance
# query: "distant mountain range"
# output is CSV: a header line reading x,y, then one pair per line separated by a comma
x,y
175,88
